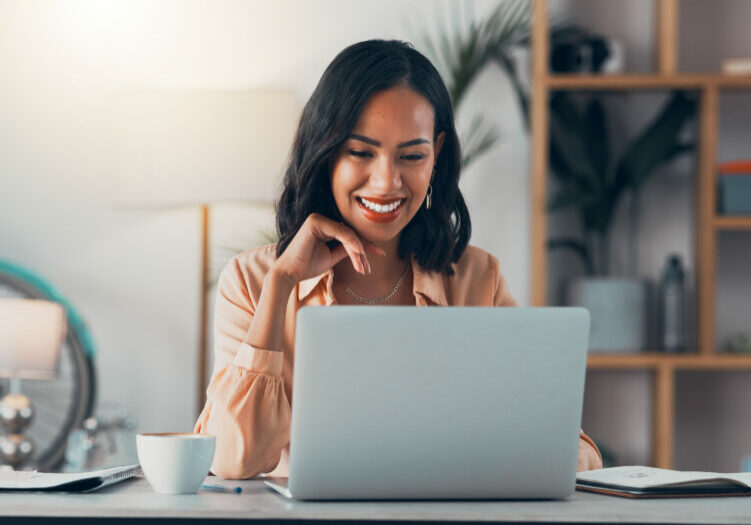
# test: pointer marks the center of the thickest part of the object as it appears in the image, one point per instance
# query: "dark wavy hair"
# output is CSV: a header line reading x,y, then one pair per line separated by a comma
x,y
436,237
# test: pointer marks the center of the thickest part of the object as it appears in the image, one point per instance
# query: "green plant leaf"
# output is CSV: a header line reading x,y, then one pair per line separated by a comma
x,y
567,197
657,144
596,136
460,52
575,245
479,138
568,140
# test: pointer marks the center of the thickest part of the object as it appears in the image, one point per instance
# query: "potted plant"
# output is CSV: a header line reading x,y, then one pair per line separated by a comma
x,y
462,47
594,183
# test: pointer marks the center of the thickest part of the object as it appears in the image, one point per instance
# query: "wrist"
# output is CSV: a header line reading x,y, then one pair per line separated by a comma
x,y
280,281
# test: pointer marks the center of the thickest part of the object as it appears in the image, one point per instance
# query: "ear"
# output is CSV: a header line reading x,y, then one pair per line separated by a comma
x,y
438,145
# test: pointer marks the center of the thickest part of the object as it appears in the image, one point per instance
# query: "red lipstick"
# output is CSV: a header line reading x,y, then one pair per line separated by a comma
x,y
376,216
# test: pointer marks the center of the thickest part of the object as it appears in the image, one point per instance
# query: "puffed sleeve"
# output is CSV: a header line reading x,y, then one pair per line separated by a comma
x,y
501,292
247,408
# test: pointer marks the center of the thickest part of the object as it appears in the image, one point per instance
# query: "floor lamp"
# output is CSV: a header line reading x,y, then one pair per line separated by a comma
x,y
197,148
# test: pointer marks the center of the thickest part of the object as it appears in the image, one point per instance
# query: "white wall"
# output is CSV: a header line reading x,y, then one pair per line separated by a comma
x,y
134,274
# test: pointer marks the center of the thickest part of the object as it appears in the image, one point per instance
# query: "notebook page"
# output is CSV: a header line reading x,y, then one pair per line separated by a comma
x,y
29,480
640,477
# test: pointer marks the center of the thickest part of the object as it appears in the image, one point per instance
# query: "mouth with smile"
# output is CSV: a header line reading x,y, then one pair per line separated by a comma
x,y
380,210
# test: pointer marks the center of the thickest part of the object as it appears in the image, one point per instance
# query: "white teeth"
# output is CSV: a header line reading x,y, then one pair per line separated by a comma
x,y
380,208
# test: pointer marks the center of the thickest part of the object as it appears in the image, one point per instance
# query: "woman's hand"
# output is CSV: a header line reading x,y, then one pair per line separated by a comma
x,y
308,254
589,459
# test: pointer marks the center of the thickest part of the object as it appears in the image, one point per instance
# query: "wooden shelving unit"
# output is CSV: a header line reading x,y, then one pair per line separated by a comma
x,y
708,223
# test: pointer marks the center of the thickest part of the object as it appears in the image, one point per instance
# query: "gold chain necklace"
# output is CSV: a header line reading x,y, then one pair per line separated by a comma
x,y
375,300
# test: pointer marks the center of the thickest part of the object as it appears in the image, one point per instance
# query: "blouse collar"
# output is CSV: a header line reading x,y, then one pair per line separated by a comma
x,y
426,284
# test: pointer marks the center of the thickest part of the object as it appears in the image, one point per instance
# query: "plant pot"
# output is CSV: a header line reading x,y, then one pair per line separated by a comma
x,y
619,310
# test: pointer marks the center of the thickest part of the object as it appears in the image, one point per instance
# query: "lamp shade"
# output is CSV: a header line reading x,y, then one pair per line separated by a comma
x,y
31,333
199,147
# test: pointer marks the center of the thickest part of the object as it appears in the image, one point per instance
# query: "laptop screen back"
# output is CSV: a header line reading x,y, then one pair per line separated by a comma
x,y
451,402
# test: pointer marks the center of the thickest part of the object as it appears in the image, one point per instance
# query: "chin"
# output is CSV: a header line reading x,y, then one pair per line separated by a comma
x,y
378,234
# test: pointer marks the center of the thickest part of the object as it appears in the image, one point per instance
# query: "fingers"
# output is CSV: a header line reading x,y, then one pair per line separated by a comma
x,y
325,229
374,248
340,252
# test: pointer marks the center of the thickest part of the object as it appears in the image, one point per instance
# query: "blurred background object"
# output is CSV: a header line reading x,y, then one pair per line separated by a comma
x,y
734,188
105,439
574,49
194,148
672,305
594,182
31,332
44,341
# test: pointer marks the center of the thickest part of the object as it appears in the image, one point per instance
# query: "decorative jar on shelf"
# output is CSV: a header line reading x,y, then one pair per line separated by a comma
x,y
619,310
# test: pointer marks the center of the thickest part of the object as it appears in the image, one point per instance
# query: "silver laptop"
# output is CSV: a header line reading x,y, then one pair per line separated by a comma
x,y
436,403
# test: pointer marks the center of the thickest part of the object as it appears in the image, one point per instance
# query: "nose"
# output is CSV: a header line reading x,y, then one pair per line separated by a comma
x,y
385,178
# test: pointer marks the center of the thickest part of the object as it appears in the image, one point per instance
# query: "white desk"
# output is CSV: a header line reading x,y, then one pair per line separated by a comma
x,y
135,499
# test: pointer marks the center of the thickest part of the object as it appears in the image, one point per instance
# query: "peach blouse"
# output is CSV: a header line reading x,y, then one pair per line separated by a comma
x,y
249,395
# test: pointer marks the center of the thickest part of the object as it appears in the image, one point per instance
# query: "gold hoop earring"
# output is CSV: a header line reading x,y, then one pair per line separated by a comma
x,y
429,197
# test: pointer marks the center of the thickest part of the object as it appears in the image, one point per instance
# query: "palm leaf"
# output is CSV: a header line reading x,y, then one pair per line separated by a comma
x,y
462,50
658,144
568,144
596,136
478,139
577,246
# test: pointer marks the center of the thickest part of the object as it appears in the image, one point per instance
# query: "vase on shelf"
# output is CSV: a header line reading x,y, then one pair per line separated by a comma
x,y
619,310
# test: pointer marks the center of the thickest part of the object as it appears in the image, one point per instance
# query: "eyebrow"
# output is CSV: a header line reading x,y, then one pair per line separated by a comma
x,y
374,142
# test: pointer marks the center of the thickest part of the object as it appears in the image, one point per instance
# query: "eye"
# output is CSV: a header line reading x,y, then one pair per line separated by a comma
x,y
414,157
359,153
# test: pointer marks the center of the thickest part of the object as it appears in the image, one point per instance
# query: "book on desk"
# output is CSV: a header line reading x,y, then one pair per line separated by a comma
x,y
650,482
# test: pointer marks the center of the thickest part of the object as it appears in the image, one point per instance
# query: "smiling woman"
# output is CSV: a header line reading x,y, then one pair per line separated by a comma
x,y
370,213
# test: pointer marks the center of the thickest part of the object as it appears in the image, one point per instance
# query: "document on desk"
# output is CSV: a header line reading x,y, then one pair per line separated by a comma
x,y
21,480
650,482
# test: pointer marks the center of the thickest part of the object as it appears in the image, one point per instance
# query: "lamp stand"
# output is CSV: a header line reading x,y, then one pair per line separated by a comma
x,y
204,312
16,413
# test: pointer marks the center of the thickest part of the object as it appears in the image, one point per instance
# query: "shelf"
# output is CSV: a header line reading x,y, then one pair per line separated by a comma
x,y
647,81
730,222
653,360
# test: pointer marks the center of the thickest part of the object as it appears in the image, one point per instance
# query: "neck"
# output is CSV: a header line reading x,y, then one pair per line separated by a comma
x,y
386,269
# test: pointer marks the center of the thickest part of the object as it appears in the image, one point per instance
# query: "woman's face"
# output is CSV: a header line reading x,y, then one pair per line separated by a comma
x,y
381,173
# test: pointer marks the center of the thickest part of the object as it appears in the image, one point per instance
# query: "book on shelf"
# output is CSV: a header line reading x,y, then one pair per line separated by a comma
x,y
651,482
734,187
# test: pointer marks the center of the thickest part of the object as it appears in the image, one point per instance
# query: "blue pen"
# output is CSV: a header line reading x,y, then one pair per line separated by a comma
x,y
219,488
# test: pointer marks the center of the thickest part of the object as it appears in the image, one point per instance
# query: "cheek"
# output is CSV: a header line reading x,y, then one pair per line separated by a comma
x,y
418,183
344,179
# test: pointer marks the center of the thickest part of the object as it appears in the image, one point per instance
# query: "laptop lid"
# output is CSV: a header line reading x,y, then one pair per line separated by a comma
x,y
424,403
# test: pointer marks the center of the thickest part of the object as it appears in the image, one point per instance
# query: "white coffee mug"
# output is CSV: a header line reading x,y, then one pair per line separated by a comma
x,y
175,463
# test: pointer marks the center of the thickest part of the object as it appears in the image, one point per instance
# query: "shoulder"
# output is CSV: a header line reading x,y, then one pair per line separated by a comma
x,y
475,262
477,279
244,273
256,260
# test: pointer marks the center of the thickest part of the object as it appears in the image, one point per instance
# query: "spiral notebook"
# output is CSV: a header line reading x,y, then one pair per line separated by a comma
x,y
22,480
